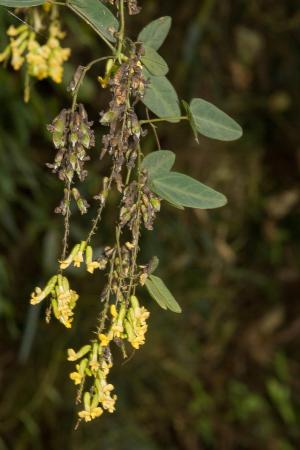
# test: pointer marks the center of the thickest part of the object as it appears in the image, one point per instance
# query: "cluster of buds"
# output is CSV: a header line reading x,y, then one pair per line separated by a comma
x,y
148,206
42,61
72,135
128,323
93,361
83,253
127,87
135,323
63,299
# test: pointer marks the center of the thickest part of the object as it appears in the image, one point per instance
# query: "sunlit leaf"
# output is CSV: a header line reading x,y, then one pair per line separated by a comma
x,y
186,191
161,294
214,123
97,15
155,33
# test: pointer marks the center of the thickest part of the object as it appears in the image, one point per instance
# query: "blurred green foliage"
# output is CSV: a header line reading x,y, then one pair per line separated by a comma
x,y
225,374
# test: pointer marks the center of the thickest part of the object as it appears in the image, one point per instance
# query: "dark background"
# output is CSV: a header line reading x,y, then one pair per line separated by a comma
x,y
224,375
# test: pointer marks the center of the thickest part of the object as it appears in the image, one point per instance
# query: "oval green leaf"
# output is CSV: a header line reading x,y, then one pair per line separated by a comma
x,y
161,98
161,294
21,3
191,120
159,163
186,191
214,123
155,33
97,15
154,62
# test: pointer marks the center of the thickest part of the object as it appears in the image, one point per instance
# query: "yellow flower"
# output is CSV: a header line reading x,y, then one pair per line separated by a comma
x,y
37,296
42,60
78,259
90,415
93,265
113,311
104,339
135,323
94,365
104,391
72,355
76,377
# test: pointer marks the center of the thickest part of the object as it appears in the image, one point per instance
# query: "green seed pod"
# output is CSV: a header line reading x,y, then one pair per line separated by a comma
x,y
82,366
129,330
95,402
65,284
58,139
134,301
73,138
88,254
87,401
86,140
55,308
83,351
95,351
121,314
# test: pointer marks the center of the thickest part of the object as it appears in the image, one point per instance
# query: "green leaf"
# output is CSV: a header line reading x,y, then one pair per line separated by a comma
x,y
97,15
161,294
191,120
161,98
214,123
153,264
185,191
21,3
154,62
155,33
159,163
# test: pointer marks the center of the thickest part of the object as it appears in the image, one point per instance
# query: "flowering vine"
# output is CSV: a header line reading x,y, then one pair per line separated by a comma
x,y
134,74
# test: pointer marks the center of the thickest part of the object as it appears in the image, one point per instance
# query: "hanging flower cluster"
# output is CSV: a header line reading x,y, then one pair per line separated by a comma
x,y
42,61
122,322
72,136
63,299
94,361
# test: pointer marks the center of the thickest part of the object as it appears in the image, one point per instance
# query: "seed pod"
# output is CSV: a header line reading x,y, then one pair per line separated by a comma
x,y
87,401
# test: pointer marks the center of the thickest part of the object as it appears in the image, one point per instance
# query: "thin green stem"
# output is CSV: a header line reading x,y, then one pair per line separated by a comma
x,y
136,226
122,30
165,119
66,222
107,296
100,210
82,76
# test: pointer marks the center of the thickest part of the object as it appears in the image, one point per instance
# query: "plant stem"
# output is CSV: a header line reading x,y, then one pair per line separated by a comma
x,y
122,30
165,119
136,226
82,76
99,212
66,222
107,296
